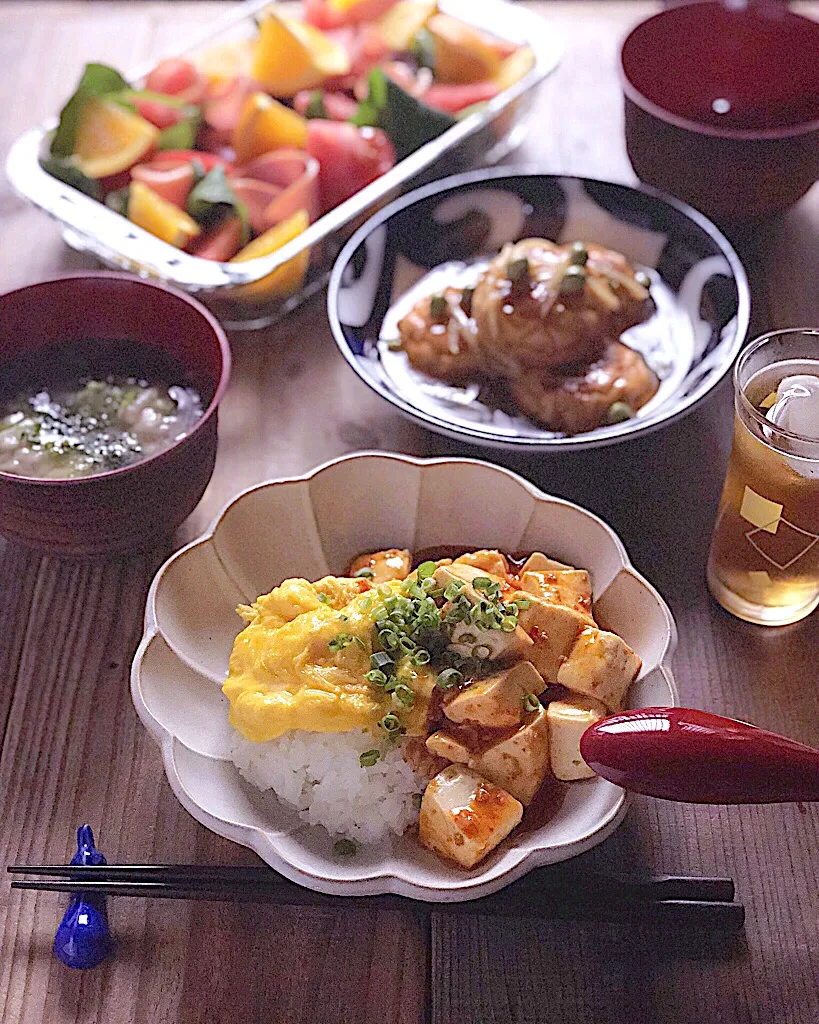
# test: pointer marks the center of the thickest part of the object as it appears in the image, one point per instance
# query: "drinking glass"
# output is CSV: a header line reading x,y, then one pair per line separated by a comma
x,y
764,561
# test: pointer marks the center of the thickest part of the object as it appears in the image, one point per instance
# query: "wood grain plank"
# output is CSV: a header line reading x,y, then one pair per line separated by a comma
x,y
73,749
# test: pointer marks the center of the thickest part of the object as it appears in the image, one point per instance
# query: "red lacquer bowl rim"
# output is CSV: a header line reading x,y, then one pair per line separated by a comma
x,y
218,394
633,94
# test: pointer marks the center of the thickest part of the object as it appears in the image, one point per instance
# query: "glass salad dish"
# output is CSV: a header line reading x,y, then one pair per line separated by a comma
x,y
263,283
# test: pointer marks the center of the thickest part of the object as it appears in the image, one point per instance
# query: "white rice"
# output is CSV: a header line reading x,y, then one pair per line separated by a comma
x,y
319,774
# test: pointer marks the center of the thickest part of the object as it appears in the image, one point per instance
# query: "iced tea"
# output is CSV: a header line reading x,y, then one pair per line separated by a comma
x,y
764,560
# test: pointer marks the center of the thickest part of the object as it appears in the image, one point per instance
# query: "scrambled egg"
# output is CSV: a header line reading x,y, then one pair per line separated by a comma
x,y
284,675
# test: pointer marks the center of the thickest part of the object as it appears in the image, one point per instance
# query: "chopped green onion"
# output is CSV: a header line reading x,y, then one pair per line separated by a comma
x,y
405,694
482,583
366,604
345,847
574,280
426,569
390,723
340,641
343,618
619,412
438,308
481,652
579,254
376,677
508,624
369,757
420,657
448,678
359,641
416,799
365,573
381,660
530,702
451,592
323,598
523,603
517,269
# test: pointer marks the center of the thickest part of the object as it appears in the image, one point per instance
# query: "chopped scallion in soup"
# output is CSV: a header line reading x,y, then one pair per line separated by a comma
x,y
93,426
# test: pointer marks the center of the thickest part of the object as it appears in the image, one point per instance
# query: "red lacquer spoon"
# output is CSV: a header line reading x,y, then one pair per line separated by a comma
x,y
695,757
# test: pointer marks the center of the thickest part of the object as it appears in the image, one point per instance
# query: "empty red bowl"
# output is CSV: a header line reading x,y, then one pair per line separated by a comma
x,y
130,508
722,106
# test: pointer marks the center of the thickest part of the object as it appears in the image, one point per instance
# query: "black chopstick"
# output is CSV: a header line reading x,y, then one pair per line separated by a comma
x,y
670,900
662,887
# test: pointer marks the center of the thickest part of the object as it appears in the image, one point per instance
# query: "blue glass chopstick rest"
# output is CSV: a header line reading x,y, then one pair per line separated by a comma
x,y
83,938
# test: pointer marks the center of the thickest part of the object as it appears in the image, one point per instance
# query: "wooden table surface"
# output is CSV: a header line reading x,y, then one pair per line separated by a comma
x,y
74,751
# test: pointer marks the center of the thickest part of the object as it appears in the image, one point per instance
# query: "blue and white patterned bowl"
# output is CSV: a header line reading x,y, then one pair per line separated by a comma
x,y
438,233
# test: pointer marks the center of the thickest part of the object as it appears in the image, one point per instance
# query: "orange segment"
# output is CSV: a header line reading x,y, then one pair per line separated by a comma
x,y
400,24
291,55
153,213
266,124
289,277
462,54
515,66
225,61
111,139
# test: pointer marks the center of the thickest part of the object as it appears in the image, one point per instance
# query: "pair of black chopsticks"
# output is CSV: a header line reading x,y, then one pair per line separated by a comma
x,y
671,900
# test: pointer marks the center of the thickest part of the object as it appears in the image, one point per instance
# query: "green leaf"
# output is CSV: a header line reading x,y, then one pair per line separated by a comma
x,y
212,199
408,122
64,170
316,108
97,80
182,135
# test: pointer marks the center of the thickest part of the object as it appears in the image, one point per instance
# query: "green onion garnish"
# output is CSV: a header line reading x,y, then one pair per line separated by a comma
x,y
340,641
619,412
579,254
405,694
365,573
390,723
530,702
381,660
518,269
448,678
323,598
438,307
345,847
481,652
425,570
376,677
369,758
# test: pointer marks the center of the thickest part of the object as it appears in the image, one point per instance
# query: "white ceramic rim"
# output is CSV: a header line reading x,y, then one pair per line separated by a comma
x,y
384,882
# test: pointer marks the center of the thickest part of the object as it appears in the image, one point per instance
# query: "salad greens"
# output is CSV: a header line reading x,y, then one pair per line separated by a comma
x,y
97,80
212,199
408,122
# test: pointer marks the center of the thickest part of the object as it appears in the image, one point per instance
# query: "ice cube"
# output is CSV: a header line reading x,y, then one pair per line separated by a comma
x,y
797,409
797,405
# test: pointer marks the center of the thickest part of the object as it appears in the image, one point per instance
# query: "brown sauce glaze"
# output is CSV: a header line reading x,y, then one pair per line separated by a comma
x,y
547,802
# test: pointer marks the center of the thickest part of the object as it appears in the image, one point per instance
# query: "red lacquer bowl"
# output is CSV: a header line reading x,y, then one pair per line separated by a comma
x,y
125,509
722,106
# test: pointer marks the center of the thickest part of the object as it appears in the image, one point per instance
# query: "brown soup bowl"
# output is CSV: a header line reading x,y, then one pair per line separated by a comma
x,y
722,106
93,317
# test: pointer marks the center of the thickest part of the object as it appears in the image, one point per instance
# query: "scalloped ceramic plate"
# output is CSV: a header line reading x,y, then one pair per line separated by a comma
x,y
314,525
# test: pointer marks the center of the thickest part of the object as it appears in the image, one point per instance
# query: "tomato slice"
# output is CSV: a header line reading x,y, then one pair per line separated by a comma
x,y
177,77
349,158
453,98
207,160
159,114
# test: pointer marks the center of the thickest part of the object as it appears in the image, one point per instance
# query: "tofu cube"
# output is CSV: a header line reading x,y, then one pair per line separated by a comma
x,y
442,744
464,817
571,587
520,762
568,720
600,665
492,562
538,562
463,574
392,564
554,629
496,702
509,646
